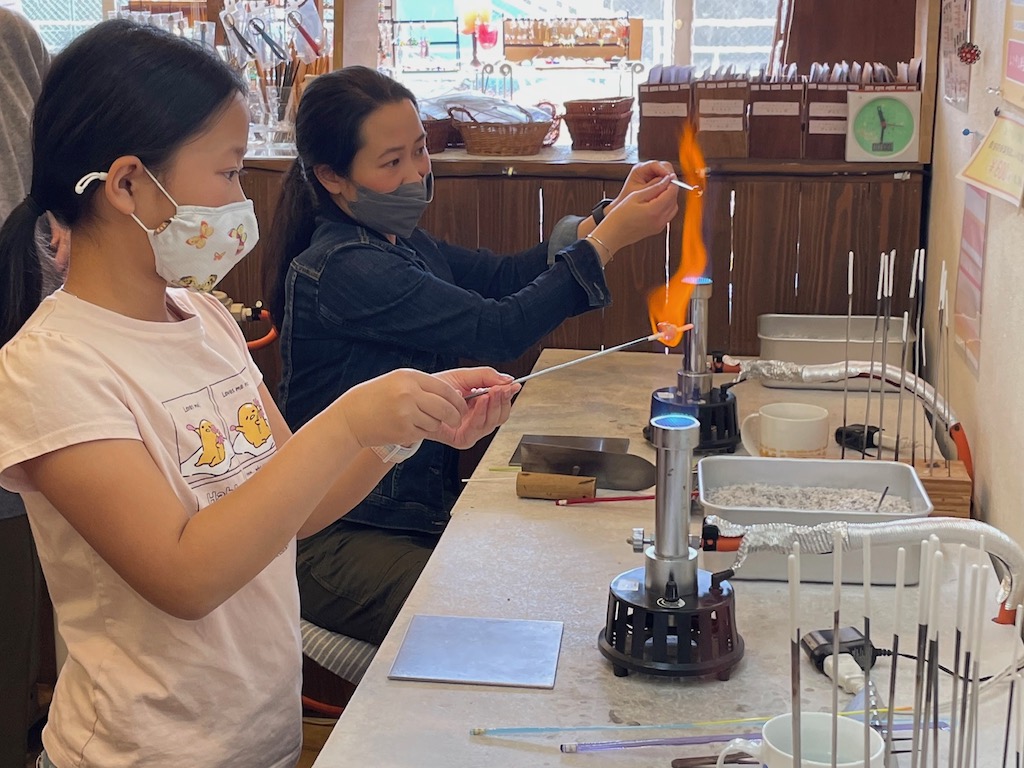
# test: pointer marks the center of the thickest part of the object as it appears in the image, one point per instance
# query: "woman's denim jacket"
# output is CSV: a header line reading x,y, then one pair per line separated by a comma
x,y
357,306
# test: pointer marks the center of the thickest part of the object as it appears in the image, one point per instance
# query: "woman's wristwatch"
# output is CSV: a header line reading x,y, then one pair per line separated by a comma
x,y
598,212
395,454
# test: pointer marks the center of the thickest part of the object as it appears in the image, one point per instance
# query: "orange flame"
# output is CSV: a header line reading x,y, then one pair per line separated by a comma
x,y
668,303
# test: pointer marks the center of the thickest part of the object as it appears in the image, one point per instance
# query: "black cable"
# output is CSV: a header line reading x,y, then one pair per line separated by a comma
x,y
912,657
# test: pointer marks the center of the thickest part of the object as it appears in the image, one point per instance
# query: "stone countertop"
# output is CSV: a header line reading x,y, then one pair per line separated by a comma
x,y
506,557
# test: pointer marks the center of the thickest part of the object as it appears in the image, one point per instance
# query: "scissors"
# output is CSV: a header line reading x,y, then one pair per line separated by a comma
x,y
295,19
260,28
229,22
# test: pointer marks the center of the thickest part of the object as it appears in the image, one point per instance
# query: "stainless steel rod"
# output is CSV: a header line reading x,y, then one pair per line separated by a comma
x,y
846,387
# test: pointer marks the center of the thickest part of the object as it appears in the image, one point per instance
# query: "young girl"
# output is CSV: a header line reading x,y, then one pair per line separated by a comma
x,y
164,490
362,291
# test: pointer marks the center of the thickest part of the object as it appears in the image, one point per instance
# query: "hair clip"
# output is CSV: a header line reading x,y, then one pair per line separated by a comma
x,y
89,178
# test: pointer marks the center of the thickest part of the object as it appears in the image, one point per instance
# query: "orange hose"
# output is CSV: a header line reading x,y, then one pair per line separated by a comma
x,y
328,710
269,338
963,448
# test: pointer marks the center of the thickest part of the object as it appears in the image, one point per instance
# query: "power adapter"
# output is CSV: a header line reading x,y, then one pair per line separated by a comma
x,y
818,646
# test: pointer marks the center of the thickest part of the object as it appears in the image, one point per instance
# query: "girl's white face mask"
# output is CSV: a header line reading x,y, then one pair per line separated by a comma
x,y
198,245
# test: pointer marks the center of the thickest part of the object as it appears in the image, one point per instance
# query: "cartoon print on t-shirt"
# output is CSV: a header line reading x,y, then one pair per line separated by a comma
x,y
212,451
252,432
222,433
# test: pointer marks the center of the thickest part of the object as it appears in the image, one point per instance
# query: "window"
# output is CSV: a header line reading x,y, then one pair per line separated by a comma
x,y
60,21
737,32
424,35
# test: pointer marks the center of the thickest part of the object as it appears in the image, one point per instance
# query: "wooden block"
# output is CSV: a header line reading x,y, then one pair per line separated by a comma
x,y
950,492
539,485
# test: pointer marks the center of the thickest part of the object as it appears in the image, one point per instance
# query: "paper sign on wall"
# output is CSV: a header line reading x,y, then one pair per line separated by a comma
x,y
997,165
956,76
1013,53
967,306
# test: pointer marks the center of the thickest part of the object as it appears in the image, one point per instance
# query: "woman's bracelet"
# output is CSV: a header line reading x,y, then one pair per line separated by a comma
x,y
597,240
396,454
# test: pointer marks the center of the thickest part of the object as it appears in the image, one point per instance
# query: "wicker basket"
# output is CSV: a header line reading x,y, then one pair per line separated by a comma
x,y
598,131
437,134
455,140
618,105
500,139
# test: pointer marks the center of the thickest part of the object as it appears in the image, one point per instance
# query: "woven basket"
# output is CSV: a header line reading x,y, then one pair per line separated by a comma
x,y
598,131
437,134
618,105
455,140
499,139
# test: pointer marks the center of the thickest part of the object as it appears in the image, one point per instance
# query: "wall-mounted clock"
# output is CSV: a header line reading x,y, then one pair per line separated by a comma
x,y
882,126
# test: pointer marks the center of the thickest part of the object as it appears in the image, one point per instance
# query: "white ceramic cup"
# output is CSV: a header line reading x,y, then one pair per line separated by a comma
x,y
775,749
787,430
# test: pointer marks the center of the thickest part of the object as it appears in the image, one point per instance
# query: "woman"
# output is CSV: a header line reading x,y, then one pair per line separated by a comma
x,y
362,291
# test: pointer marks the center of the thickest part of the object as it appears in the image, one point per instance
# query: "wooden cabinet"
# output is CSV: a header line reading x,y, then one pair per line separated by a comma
x,y
778,236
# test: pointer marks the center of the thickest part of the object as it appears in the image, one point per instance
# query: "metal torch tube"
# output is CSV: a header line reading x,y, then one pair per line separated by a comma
x,y
694,377
674,437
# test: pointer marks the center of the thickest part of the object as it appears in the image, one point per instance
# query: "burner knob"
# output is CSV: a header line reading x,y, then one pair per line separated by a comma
x,y
639,540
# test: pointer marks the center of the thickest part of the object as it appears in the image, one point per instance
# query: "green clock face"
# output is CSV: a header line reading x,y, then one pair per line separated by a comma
x,y
883,126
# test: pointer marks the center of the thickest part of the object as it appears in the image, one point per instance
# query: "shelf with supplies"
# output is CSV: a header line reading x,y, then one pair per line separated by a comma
x,y
739,119
573,38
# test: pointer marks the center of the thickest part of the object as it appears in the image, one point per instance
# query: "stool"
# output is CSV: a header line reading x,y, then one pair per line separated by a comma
x,y
332,666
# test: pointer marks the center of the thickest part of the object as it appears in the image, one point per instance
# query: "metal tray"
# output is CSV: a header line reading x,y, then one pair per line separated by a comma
x,y
821,339
716,472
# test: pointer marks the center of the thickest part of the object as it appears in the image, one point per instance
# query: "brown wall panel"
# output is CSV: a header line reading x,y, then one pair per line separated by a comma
x,y
765,238
452,216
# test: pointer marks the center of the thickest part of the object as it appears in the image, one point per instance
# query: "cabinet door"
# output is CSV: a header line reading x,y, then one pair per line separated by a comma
x,y
453,214
765,227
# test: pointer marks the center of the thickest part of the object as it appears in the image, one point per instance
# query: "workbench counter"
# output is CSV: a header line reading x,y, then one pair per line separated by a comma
x,y
505,557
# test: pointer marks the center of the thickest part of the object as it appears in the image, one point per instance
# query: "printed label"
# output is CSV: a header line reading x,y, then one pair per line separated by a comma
x,y
720,124
828,109
779,108
720,106
835,127
654,109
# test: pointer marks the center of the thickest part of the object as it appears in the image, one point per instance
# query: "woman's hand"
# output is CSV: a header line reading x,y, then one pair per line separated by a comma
x,y
642,213
486,412
640,175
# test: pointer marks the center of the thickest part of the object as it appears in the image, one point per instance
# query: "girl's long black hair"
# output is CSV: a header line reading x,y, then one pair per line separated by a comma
x,y
118,89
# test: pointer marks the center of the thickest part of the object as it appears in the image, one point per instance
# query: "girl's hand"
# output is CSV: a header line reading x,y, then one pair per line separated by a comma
x,y
402,407
486,412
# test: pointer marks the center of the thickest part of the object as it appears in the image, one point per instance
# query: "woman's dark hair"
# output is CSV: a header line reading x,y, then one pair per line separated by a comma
x,y
118,89
328,131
